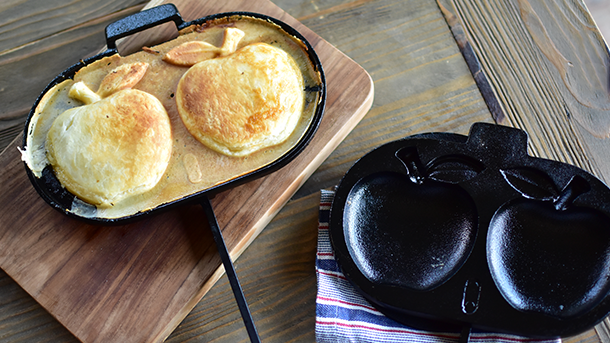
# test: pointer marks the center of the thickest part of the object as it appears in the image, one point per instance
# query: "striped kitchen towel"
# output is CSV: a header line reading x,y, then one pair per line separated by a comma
x,y
343,315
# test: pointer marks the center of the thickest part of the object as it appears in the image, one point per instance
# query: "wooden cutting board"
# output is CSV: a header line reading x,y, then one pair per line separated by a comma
x,y
135,283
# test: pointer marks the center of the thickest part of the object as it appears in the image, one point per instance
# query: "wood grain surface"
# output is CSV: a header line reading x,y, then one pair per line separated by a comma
x,y
549,67
421,84
135,283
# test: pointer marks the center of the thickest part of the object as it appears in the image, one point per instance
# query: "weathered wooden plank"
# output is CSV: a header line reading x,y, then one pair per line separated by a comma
x,y
23,320
44,18
421,80
603,330
35,45
280,288
135,283
600,11
585,337
395,57
26,69
549,67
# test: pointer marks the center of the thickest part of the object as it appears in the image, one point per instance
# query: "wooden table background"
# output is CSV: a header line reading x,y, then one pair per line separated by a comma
x,y
545,60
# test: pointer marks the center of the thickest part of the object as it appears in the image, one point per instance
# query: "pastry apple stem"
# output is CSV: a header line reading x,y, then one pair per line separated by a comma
x,y
231,38
571,191
415,169
116,145
81,92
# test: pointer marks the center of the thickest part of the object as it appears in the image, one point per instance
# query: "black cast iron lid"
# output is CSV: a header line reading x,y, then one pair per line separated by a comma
x,y
442,231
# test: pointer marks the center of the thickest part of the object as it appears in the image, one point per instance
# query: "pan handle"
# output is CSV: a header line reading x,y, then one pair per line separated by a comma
x,y
141,21
242,304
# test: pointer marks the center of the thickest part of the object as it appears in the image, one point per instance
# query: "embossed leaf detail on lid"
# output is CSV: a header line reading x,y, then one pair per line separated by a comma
x,y
454,168
531,183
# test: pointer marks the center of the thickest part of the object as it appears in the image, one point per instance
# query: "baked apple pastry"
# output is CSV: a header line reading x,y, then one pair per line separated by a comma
x,y
116,145
128,134
240,101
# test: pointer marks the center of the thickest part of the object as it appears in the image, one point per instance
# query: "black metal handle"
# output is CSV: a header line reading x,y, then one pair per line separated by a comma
x,y
230,270
141,21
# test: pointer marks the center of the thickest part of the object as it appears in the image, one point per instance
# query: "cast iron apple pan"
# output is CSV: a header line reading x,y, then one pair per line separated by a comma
x,y
448,232
49,188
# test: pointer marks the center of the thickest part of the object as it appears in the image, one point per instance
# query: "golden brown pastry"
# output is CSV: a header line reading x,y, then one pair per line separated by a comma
x,y
117,145
192,167
239,102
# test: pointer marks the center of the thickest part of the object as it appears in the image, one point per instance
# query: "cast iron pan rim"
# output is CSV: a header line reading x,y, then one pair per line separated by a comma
x,y
211,191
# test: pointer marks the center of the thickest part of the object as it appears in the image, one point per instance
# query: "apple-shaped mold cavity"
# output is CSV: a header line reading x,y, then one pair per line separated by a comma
x,y
547,255
409,230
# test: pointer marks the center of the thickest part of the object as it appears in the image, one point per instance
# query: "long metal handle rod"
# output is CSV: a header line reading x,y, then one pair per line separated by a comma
x,y
230,270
